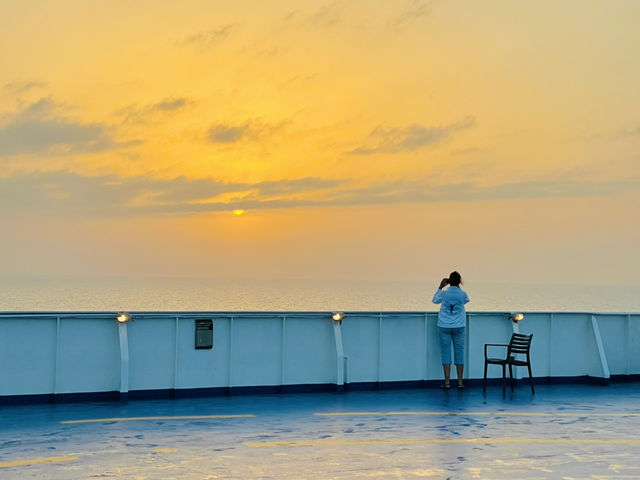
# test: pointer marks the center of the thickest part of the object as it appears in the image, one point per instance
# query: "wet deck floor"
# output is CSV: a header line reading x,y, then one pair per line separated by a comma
x,y
563,432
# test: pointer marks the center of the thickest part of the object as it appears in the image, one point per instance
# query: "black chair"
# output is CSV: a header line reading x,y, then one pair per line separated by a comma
x,y
520,344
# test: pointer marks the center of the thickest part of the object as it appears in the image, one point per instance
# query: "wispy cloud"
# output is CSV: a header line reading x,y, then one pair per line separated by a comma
x,y
43,127
222,133
413,137
415,10
169,104
141,114
423,192
327,16
68,194
466,151
209,37
290,16
18,87
628,132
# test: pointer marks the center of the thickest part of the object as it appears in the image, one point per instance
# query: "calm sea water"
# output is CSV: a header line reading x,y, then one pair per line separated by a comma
x,y
193,294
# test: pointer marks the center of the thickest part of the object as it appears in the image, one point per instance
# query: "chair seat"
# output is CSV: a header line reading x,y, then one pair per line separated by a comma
x,y
498,361
519,363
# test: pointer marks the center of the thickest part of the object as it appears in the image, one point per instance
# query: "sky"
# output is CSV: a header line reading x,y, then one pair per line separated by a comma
x,y
363,139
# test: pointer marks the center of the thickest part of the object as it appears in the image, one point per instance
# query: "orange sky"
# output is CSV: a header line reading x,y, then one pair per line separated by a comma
x,y
387,140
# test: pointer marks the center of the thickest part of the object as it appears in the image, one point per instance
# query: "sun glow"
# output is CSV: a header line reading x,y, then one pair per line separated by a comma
x,y
238,212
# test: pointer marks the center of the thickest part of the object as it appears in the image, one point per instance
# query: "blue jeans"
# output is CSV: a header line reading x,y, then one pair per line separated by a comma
x,y
455,335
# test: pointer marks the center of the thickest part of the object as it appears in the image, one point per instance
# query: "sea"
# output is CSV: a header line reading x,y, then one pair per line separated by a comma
x,y
218,294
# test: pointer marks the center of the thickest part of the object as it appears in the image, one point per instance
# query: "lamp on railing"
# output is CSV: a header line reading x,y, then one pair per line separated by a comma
x,y
123,317
337,317
517,317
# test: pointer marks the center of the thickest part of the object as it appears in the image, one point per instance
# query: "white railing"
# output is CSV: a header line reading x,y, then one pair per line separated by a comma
x,y
44,353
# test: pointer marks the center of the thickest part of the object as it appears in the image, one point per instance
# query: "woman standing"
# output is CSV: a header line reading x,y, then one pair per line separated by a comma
x,y
452,321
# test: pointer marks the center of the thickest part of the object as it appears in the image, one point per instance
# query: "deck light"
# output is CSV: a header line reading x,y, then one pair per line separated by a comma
x,y
517,317
338,317
123,317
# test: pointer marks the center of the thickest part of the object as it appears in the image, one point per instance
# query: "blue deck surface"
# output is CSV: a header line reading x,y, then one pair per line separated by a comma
x,y
564,431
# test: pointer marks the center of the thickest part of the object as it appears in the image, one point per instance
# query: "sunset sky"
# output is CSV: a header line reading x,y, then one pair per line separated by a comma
x,y
365,139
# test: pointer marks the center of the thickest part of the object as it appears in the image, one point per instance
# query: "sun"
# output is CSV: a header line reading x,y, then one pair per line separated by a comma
x,y
238,212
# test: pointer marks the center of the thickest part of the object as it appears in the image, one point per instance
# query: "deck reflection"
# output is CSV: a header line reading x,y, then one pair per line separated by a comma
x,y
572,431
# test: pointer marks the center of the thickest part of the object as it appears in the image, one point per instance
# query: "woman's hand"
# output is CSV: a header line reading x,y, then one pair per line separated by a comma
x,y
443,283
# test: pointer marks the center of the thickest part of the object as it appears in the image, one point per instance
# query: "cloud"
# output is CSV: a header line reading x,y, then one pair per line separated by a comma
x,y
227,134
413,137
42,127
290,16
18,87
414,11
210,37
252,130
70,194
169,104
326,16
421,192
140,114
628,132
466,151
64,193
37,136
42,108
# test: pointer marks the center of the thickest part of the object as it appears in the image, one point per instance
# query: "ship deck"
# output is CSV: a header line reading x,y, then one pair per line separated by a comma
x,y
563,431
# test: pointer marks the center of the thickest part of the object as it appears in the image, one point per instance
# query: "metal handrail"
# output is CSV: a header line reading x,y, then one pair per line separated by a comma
x,y
269,314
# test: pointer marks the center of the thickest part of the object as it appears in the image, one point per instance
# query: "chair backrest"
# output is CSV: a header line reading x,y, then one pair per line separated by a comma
x,y
520,343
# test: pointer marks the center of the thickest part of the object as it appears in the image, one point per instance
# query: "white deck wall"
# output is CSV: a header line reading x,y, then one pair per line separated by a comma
x,y
58,353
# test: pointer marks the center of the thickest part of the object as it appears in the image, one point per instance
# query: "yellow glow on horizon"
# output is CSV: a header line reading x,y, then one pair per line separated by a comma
x,y
238,211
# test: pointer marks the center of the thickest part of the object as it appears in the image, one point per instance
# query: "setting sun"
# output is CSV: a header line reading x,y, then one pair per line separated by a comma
x,y
238,212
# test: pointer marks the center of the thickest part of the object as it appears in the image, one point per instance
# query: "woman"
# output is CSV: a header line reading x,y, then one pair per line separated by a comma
x,y
452,321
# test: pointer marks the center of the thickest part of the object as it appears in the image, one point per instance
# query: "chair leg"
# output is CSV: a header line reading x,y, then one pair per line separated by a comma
x,y
531,378
484,385
511,376
504,375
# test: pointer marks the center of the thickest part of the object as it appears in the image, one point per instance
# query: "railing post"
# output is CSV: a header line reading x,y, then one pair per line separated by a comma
x,y
124,361
337,335
57,364
379,348
627,348
426,347
175,357
550,345
283,350
603,357
230,352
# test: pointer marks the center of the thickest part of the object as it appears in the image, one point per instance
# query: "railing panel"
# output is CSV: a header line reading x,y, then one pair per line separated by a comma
x,y
256,351
613,331
482,329
27,356
309,351
434,360
88,359
402,357
360,339
574,350
151,353
634,345
203,368
540,325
